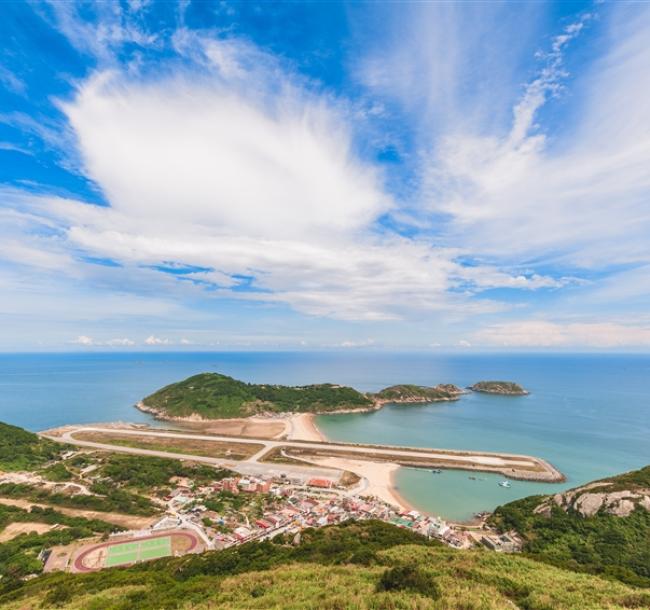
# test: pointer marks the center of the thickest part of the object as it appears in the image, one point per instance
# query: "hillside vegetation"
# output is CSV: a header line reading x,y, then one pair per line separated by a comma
x,y
19,556
602,528
406,393
23,450
367,565
215,396
507,388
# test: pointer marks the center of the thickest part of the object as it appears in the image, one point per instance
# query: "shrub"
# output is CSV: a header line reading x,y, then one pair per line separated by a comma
x,y
409,578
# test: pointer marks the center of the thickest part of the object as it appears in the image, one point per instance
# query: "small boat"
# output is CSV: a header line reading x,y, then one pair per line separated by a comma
x,y
504,484
472,478
436,471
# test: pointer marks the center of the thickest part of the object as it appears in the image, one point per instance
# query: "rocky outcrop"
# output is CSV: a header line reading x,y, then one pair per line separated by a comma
x,y
594,498
504,388
416,394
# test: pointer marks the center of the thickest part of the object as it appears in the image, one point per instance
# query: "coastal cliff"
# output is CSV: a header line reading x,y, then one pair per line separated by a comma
x,y
504,388
602,527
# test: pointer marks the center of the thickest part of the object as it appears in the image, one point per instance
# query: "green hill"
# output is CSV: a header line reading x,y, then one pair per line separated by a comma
x,y
406,393
23,450
360,566
602,527
214,396
506,388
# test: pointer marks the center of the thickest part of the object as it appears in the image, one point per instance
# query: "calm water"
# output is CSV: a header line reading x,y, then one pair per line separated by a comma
x,y
589,415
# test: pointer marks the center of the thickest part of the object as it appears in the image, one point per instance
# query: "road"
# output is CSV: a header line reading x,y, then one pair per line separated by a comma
x,y
473,460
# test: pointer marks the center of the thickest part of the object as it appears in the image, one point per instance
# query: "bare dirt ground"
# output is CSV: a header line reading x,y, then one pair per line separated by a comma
x,y
252,427
60,558
25,527
127,521
214,449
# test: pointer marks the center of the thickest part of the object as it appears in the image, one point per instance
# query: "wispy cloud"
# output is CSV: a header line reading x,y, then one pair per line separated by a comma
x,y
276,205
234,182
542,333
153,340
87,341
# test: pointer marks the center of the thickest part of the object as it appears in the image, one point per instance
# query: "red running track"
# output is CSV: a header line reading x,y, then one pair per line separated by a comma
x,y
79,561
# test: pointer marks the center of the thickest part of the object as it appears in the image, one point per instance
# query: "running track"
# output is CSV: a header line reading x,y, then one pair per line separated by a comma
x,y
79,561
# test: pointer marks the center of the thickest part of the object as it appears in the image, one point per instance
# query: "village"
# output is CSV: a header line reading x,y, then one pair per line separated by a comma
x,y
285,506
240,509
223,508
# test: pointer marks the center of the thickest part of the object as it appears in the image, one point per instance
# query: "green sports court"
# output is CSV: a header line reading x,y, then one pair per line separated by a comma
x,y
142,550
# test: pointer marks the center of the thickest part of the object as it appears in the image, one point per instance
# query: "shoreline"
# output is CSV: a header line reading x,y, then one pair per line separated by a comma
x,y
389,470
394,490
380,477
302,427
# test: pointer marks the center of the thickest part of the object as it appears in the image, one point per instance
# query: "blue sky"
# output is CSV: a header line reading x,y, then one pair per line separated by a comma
x,y
436,176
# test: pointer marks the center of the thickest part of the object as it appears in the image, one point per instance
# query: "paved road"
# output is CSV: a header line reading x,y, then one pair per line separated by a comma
x,y
245,467
474,460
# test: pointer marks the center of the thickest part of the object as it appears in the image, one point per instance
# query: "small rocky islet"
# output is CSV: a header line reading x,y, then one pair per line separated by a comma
x,y
503,388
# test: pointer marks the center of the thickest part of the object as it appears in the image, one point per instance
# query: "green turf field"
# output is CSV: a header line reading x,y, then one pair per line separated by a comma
x,y
131,552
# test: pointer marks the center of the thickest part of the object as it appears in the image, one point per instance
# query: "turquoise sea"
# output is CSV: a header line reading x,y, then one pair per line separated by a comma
x,y
587,414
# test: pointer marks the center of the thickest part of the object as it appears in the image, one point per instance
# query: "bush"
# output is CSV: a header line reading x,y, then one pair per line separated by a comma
x,y
409,578
58,596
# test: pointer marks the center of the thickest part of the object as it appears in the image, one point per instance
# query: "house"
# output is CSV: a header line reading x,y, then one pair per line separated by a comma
x,y
321,483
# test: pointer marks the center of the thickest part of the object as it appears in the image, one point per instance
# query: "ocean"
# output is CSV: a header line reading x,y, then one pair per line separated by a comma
x,y
589,415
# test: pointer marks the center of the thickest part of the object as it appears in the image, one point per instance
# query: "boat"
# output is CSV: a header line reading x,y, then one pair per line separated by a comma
x,y
504,484
472,478
436,471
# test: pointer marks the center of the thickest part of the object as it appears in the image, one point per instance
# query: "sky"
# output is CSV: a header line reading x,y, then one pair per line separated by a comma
x,y
215,175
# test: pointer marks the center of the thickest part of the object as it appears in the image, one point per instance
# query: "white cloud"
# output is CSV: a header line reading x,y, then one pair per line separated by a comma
x,y
582,200
249,178
89,341
83,340
124,342
286,171
541,333
355,344
153,340
9,80
99,29
267,195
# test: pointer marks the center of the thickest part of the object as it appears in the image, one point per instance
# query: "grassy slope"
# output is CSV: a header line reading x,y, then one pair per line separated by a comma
x,y
616,547
23,450
213,395
18,556
356,566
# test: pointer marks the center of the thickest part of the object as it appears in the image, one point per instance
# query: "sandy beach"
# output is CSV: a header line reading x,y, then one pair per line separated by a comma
x,y
378,478
303,428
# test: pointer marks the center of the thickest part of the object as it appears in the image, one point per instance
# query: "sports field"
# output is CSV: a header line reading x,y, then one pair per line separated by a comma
x,y
112,554
131,552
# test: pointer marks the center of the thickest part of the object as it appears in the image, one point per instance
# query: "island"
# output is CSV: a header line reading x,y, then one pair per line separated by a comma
x,y
504,388
217,396
209,396
417,394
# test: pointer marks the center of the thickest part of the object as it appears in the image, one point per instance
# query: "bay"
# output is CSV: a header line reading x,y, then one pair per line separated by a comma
x,y
588,414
